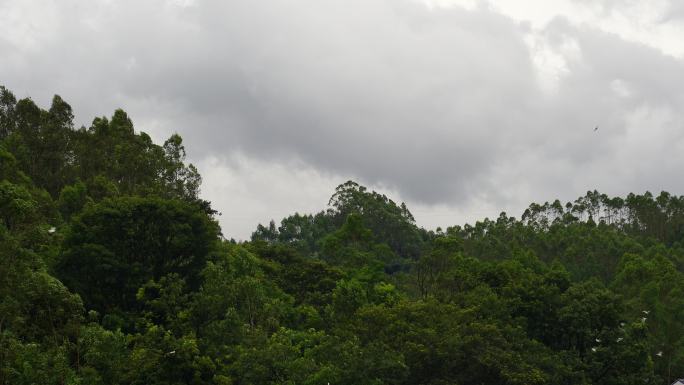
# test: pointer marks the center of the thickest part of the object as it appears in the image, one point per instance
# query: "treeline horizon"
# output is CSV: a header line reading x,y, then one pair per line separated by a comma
x,y
113,270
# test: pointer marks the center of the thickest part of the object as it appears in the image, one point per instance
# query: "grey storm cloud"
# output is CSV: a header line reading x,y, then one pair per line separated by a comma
x,y
439,104
389,91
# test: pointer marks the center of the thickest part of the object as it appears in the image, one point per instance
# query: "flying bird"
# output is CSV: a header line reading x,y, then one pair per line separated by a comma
x,y
643,319
619,339
52,230
598,340
646,311
595,128
659,354
593,350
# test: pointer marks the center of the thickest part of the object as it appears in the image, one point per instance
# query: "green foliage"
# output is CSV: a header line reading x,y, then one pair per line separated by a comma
x,y
17,206
140,239
112,271
309,281
237,282
72,199
352,209
388,222
103,355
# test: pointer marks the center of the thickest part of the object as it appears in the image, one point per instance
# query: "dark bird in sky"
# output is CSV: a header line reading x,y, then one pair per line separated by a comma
x,y
595,128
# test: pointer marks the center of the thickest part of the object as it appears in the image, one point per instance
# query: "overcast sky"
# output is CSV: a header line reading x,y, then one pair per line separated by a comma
x,y
460,108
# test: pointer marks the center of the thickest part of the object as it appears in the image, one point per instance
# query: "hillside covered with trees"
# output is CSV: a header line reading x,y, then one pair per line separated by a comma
x,y
114,271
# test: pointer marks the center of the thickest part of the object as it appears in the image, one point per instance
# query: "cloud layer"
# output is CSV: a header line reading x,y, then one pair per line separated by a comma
x,y
449,107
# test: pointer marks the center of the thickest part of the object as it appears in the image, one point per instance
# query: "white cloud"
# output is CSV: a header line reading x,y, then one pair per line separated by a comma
x,y
249,191
656,23
461,110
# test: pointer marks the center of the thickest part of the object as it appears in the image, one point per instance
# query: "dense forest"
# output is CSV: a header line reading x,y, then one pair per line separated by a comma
x,y
114,271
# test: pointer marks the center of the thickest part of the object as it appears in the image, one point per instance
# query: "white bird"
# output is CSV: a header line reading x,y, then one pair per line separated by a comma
x,y
593,350
643,319
619,339
171,353
598,340
646,311
622,324
659,354
52,230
